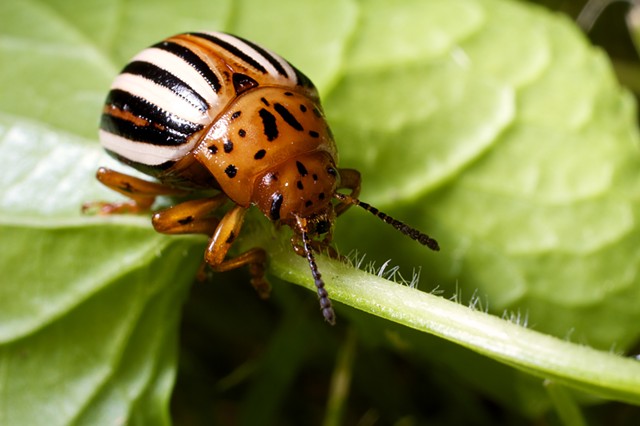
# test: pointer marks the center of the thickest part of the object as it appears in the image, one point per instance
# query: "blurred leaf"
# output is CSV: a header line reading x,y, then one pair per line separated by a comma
x,y
532,147
492,125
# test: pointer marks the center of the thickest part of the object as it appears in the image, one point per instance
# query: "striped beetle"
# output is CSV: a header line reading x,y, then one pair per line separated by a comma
x,y
213,111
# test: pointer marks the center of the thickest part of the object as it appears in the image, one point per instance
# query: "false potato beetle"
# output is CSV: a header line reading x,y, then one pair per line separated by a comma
x,y
213,111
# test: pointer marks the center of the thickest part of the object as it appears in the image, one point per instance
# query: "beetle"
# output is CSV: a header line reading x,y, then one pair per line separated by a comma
x,y
212,111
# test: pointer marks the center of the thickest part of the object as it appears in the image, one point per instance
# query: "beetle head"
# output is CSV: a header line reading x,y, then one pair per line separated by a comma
x,y
300,187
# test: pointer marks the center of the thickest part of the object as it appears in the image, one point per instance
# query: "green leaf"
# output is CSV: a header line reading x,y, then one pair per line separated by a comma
x,y
492,125
520,156
87,336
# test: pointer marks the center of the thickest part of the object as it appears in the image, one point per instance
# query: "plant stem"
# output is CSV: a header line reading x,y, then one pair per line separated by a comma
x,y
601,373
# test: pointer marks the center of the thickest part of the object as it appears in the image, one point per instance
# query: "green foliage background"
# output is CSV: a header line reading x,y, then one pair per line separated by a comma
x,y
493,125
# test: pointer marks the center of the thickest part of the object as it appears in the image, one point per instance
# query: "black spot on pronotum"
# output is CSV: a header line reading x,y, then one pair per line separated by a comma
x,y
299,184
242,83
265,101
269,124
315,177
260,154
242,133
288,94
231,171
228,146
314,134
301,169
308,203
213,149
236,115
276,204
185,220
303,108
321,196
288,117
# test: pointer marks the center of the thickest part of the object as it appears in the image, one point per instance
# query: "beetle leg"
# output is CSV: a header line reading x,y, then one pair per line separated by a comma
x,y
224,236
189,217
142,193
349,179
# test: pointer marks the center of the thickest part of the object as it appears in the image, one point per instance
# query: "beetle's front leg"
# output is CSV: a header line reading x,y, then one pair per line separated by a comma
x,y
141,193
224,236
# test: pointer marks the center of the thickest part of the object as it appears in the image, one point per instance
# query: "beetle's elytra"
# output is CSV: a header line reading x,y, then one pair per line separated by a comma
x,y
213,111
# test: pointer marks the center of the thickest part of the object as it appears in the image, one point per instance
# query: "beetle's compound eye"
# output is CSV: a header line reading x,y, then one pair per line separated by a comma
x,y
322,227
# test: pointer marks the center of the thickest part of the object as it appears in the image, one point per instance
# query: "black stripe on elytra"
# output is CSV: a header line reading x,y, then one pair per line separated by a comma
x,y
144,134
269,124
232,49
276,204
164,78
287,116
154,171
268,56
173,131
193,60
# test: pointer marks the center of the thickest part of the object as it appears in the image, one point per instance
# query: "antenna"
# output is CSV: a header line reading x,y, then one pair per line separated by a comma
x,y
412,233
323,295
